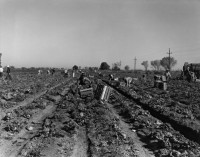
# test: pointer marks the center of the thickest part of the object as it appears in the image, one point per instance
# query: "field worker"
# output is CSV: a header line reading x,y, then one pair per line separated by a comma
x,y
100,74
48,72
39,72
188,74
1,71
144,76
8,72
53,71
188,71
193,76
167,74
111,77
73,74
128,81
66,73
83,80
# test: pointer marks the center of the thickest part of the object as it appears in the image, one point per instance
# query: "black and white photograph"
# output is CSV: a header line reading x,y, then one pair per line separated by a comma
x,y
99,78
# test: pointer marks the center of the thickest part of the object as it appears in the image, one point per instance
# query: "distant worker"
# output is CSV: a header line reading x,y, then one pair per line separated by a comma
x,y
193,76
39,72
144,76
48,72
66,74
128,81
8,76
188,74
53,71
100,74
111,77
167,75
73,73
1,71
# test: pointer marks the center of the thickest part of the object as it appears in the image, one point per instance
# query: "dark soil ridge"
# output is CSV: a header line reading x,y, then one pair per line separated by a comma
x,y
189,132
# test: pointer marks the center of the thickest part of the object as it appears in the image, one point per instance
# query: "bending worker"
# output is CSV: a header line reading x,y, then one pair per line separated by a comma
x,y
128,81
83,80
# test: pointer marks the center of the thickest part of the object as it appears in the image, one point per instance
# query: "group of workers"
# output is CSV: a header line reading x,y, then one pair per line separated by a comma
x,y
127,80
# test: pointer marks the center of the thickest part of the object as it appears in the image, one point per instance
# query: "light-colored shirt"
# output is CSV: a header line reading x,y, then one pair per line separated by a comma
x,y
167,74
1,70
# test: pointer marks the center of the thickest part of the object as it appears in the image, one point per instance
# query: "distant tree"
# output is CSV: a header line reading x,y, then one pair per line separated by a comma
x,y
145,64
104,66
116,66
75,67
156,64
165,62
127,68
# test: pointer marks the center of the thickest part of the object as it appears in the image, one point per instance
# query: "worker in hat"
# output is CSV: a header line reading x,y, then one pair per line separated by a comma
x,y
111,77
66,73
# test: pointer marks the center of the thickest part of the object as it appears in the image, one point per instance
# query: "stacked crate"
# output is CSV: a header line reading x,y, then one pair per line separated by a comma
x,y
160,82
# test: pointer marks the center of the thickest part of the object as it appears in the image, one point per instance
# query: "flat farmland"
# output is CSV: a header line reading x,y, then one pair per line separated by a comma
x,y
45,115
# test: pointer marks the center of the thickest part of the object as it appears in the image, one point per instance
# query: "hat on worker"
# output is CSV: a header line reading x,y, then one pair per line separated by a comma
x,y
8,66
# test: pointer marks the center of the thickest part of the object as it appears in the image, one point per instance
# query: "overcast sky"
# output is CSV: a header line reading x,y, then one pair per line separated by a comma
x,y
62,33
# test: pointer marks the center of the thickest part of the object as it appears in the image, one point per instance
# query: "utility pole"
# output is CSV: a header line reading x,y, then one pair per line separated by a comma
x,y
135,63
169,58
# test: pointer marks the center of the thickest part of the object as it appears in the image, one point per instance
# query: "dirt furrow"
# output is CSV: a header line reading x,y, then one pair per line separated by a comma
x,y
186,131
148,123
141,151
12,147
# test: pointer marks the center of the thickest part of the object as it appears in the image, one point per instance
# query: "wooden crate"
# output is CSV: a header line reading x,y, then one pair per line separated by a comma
x,y
86,92
103,92
106,93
